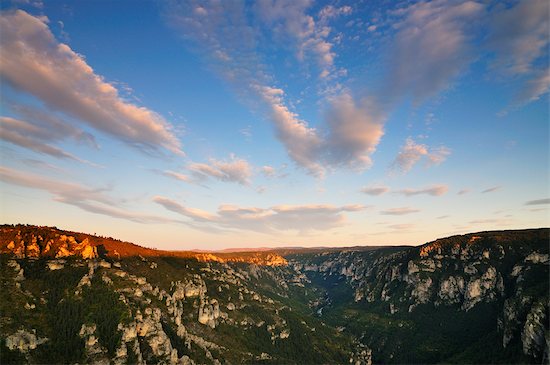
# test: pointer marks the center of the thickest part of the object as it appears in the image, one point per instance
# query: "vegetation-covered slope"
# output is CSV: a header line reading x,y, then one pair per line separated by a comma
x,y
478,298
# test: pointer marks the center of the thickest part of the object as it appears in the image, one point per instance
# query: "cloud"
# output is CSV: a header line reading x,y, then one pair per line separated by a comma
x,y
463,191
302,143
399,211
535,87
274,219
178,176
228,36
269,171
354,132
538,202
491,189
34,62
375,190
289,22
436,190
233,170
37,130
431,48
519,35
411,153
27,135
402,226
88,199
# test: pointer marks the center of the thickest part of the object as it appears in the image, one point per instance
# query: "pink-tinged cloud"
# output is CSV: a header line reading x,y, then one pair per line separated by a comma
x,y
399,211
275,219
233,170
436,190
375,190
89,199
432,47
178,176
411,153
34,62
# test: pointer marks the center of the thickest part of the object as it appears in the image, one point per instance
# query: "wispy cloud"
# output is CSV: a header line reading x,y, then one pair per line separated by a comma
x,y
518,35
178,176
411,153
233,170
436,190
463,191
279,218
399,211
91,200
538,202
491,189
431,47
375,190
227,34
34,62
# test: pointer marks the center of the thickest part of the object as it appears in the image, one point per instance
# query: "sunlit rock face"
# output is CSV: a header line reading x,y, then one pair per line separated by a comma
x,y
252,307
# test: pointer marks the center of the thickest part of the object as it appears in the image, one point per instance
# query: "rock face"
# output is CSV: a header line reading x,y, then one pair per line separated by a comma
x,y
461,271
24,341
348,305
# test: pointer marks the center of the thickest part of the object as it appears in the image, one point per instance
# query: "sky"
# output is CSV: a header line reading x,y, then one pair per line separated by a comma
x,y
216,124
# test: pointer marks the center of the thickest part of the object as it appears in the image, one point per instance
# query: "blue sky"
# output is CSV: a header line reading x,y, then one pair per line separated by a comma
x,y
215,124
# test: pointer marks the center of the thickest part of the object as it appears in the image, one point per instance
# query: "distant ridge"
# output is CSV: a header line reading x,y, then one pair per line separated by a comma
x,y
28,241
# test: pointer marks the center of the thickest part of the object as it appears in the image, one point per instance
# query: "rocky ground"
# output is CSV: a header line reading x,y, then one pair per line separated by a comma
x,y
73,298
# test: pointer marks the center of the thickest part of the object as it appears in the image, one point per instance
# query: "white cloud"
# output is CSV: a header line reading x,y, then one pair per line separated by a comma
x,y
30,136
302,143
399,211
233,170
267,220
431,47
354,132
289,22
34,62
375,190
519,35
436,190
352,129
92,200
411,153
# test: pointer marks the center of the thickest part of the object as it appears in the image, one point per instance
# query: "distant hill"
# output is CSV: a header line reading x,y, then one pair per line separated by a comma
x,y
27,241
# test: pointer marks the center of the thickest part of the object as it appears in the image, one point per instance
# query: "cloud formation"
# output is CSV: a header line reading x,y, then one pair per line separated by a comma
x,y
411,153
274,219
399,211
491,189
431,47
34,62
436,190
233,170
91,200
226,33
375,190
538,202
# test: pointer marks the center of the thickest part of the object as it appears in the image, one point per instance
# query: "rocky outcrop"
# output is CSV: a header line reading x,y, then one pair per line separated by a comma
x,y
95,353
535,335
24,341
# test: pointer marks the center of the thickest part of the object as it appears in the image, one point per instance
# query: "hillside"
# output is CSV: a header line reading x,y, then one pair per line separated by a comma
x,y
50,242
69,297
